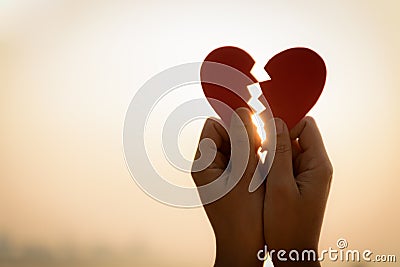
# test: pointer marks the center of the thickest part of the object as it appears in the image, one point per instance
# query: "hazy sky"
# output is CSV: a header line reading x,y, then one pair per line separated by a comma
x,y
69,69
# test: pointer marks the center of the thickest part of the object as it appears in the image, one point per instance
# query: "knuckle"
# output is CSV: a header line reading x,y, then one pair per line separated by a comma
x,y
282,148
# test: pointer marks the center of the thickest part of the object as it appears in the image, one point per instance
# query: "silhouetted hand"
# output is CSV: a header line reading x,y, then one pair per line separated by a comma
x,y
296,191
236,218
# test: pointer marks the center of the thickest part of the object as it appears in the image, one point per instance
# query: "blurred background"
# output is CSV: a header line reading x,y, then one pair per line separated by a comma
x,y
69,69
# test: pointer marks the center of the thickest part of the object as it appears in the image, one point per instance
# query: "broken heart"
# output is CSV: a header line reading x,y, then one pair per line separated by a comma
x,y
297,80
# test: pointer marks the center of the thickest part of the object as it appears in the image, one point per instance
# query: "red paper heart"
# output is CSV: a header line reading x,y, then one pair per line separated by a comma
x,y
297,80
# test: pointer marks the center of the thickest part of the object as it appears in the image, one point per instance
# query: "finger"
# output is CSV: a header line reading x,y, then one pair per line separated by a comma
x,y
313,168
212,153
243,142
213,130
309,137
281,168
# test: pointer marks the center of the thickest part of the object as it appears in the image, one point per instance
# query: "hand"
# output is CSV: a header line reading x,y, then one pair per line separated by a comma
x,y
236,218
296,191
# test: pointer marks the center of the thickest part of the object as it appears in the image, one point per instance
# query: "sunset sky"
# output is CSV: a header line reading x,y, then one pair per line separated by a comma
x,y
69,69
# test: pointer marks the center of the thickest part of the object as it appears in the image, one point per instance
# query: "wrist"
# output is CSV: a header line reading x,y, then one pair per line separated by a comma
x,y
231,252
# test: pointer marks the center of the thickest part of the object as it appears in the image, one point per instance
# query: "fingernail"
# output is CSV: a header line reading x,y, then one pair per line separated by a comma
x,y
279,126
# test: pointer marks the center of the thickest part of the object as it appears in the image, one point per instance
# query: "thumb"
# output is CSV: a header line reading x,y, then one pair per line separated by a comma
x,y
282,165
243,139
